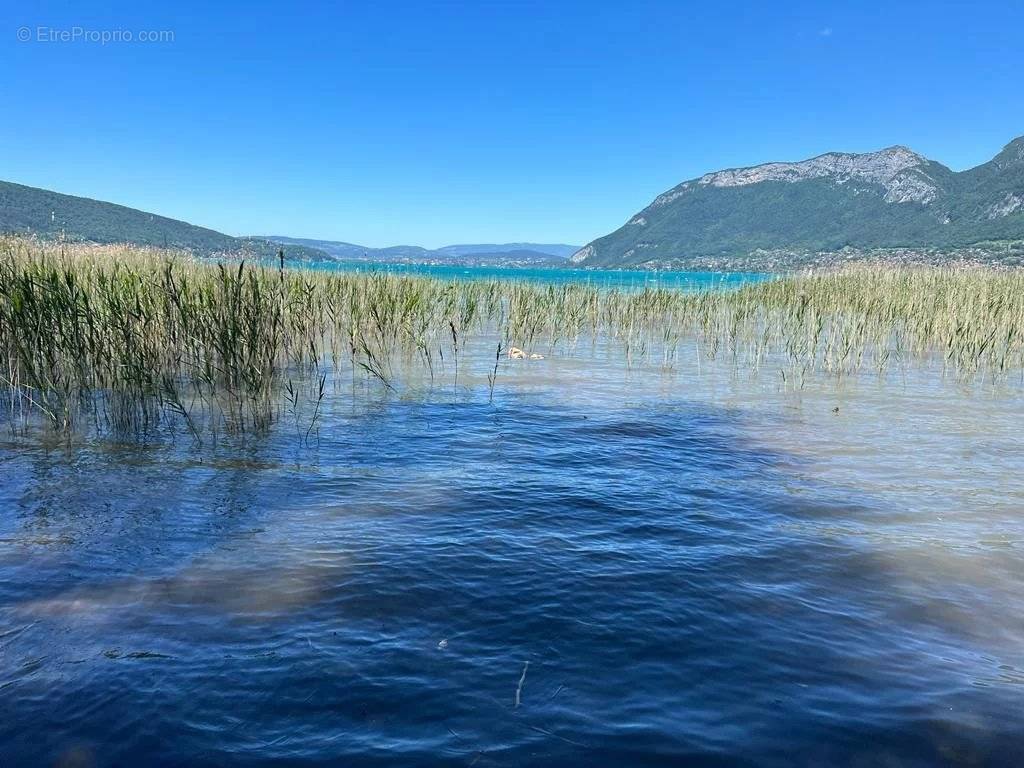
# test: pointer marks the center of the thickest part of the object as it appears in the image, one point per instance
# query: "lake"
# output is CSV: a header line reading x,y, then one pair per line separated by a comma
x,y
621,279
601,565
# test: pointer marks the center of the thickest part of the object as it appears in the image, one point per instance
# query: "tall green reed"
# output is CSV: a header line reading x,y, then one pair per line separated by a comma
x,y
127,336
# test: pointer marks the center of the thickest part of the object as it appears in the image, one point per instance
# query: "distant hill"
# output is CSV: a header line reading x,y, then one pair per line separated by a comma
x,y
28,210
520,253
520,257
558,250
890,199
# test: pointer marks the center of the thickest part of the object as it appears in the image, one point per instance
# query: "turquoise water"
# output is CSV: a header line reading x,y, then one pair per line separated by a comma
x,y
603,278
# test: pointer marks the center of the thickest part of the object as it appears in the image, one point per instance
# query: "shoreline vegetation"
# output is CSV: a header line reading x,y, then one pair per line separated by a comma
x,y
1004,254
126,338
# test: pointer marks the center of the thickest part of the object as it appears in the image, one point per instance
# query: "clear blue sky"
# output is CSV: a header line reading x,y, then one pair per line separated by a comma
x,y
430,123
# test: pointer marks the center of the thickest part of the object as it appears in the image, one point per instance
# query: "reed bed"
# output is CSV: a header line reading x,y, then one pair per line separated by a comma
x,y
127,337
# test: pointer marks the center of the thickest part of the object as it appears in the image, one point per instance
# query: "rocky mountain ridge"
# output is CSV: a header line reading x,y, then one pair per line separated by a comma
x,y
891,198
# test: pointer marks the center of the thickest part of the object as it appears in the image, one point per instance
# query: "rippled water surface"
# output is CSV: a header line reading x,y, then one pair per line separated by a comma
x,y
601,567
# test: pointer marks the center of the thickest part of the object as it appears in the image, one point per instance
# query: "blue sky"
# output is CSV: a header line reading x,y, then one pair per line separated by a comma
x,y
430,123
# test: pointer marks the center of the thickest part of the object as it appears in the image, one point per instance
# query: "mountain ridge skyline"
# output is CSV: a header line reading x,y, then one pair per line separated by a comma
x,y
889,198
345,249
42,212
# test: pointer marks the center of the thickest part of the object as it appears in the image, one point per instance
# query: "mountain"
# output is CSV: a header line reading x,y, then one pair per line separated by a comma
x,y
342,250
512,253
890,199
28,210
558,250
517,257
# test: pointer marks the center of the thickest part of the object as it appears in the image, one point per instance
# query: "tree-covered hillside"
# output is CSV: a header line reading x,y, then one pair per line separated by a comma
x,y
882,200
28,210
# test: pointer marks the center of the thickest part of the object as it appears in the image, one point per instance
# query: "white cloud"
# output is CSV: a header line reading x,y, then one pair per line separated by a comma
x,y
825,32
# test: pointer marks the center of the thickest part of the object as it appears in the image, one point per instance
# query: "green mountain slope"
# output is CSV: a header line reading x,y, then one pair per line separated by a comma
x,y
457,254
893,198
28,210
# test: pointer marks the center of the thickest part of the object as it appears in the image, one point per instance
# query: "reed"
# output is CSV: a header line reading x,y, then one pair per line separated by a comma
x,y
126,337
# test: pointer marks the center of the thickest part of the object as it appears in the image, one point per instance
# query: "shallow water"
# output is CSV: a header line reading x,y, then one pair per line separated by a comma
x,y
602,567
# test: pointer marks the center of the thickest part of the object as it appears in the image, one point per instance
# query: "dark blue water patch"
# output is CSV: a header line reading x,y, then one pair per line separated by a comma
x,y
440,583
